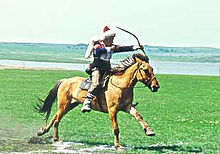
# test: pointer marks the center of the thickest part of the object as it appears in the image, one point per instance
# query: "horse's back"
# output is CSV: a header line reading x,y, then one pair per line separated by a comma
x,y
71,86
76,79
75,82
68,81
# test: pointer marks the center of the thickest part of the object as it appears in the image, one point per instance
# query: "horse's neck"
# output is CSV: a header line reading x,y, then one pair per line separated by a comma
x,y
127,79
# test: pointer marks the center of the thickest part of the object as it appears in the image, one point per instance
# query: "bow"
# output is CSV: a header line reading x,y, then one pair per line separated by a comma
x,y
134,36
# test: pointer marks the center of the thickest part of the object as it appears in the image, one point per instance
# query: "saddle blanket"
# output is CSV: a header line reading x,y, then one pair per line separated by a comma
x,y
85,85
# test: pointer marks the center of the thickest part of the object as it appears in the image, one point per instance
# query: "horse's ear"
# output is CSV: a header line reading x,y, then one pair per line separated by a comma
x,y
138,60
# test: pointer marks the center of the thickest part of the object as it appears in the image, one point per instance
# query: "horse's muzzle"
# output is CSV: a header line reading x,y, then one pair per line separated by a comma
x,y
155,88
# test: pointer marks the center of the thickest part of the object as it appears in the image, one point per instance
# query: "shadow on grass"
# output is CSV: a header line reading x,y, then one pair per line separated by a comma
x,y
158,148
24,145
174,148
41,140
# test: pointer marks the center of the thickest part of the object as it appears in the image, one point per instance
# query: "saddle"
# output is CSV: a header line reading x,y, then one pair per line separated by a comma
x,y
85,85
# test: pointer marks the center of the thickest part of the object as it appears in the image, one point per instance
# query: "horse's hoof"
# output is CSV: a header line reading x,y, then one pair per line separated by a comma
x,y
41,132
119,147
149,132
57,140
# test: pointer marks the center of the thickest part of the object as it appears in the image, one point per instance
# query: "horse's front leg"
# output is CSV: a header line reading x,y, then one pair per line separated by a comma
x,y
113,118
148,131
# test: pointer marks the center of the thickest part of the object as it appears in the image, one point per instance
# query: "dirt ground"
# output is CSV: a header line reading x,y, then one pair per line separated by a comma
x,y
18,138
45,145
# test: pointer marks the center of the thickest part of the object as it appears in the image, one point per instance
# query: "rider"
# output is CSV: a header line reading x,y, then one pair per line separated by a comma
x,y
102,49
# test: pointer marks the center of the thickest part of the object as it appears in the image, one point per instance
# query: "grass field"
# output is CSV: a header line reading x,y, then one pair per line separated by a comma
x,y
185,114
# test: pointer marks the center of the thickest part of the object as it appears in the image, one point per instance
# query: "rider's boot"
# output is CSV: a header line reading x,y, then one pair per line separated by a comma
x,y
87,103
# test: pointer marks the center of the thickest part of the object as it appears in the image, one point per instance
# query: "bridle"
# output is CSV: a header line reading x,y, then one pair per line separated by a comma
x,y
148,81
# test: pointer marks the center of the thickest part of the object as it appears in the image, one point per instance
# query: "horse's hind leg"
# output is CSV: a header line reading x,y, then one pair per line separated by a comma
x,y
148,131
45,129
56,119
60,113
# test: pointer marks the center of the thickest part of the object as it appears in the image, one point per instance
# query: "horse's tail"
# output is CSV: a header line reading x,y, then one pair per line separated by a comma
x,y
45,106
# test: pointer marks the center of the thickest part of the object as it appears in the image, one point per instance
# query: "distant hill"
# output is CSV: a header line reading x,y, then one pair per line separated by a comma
x,y
192,54
75,53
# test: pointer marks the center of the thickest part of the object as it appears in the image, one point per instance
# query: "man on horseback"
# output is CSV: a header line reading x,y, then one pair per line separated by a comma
x,y
102,49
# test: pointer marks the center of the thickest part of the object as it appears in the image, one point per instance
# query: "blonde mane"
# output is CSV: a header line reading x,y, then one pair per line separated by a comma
x,y
127,62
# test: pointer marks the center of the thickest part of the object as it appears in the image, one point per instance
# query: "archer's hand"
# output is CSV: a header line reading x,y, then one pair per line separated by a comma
x,y
136,47
113,48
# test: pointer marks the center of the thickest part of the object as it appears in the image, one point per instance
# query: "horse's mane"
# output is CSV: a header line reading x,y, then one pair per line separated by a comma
x,y
127,62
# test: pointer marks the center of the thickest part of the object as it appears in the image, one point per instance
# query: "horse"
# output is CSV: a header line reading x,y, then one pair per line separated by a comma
x,y
116,96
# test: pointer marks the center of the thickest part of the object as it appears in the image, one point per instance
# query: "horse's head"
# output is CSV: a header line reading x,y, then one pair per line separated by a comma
x,y
146,75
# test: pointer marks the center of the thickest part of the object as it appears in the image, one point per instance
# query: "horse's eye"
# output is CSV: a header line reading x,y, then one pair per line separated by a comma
x,y
146,71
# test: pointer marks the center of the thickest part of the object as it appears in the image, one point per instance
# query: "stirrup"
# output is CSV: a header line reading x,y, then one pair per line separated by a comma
x,y
86,108
86,105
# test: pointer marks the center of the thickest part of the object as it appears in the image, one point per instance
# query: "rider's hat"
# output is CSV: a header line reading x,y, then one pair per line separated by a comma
x,y
107,33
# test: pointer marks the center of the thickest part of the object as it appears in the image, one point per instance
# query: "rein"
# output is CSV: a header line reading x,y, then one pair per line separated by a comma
x,y
131,79
115,85
146,83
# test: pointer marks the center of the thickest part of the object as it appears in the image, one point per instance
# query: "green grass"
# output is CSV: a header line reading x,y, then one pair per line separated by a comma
x,y
185,115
